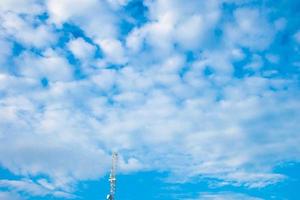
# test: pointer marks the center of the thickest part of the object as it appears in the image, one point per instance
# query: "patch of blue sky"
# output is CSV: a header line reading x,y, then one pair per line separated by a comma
x,y
154,186
17,48
134,16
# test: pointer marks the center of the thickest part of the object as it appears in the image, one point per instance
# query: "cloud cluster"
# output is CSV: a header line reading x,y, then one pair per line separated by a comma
x,y
42,188
189,91
9,196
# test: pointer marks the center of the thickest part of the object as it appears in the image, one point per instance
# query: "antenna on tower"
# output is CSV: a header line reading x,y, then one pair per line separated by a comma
x,y
112,177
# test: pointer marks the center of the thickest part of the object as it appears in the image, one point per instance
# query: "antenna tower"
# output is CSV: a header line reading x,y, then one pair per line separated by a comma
x,y
112,177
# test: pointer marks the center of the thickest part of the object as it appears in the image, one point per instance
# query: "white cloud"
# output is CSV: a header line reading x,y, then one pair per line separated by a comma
x,y
157,34
113,50
161,111
25,31
188,136
61,11
251,179
251,29
19,6
104,80
70,154
134,40
175,23
92,16
9,196
130,165
5,52
237,54
49,65
30,187
190,32
82,49
117,3
226,196
18,86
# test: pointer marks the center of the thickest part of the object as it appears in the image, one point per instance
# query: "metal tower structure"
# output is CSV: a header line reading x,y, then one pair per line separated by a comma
x,y
112,177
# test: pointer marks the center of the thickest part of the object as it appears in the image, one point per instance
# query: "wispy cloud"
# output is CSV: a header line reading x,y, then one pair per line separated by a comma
x,y
226,196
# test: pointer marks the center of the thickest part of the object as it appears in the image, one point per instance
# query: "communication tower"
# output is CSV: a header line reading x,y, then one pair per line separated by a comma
x,y
112,177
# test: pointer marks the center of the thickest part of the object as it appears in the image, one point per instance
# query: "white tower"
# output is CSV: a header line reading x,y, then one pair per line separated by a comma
x,y
112,177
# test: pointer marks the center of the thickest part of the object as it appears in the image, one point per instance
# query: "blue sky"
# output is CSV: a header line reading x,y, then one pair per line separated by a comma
x,y
199,98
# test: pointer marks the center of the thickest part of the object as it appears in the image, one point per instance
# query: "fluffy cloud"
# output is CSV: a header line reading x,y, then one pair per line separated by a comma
x,y
113,50
62,150
23,29
175,23
167,96
199,126
29,6
251,29
49,65
62,11
82,49
189,31
94,17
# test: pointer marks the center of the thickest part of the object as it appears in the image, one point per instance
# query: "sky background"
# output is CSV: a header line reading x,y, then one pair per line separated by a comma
x,y
199,98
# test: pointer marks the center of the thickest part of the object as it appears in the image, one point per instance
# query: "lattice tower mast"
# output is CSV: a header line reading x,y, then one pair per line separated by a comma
x,y
112,177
